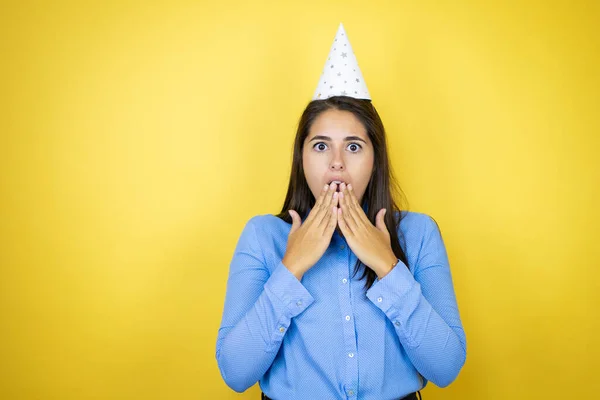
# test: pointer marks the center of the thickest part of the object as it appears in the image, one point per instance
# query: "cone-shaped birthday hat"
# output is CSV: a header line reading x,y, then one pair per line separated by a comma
x,y
341,75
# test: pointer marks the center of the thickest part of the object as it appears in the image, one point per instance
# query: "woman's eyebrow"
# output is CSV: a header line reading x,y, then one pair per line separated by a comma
x,y
346,139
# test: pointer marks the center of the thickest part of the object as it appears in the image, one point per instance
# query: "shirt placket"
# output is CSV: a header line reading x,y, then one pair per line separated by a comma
x,y
345,298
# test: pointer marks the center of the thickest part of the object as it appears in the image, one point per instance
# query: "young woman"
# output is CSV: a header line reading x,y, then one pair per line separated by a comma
x,y
342,295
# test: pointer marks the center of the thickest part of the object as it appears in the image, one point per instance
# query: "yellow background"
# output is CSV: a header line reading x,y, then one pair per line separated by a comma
x,y
138,138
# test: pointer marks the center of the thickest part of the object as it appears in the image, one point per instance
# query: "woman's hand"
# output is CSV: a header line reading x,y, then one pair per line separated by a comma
x,y
371,244
308,241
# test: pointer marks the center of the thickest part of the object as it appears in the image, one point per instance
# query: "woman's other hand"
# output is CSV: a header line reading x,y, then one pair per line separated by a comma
x,y
370,243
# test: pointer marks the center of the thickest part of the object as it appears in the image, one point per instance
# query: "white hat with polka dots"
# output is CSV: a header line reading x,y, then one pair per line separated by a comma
x,y
341,75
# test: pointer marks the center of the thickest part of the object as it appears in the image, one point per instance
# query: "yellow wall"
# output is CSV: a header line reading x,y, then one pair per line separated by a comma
x,y
138,139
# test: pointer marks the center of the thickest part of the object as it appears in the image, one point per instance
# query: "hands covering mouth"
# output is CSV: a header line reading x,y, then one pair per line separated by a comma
x,y
338,184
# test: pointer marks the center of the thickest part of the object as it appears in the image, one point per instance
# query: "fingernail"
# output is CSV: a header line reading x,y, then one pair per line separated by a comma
x,y
335,195
349,187
326,187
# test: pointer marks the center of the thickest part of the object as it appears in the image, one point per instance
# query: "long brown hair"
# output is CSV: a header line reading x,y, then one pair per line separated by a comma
x,y
382,187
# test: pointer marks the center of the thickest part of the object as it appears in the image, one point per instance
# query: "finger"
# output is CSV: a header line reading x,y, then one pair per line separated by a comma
x,y
324,208
346,230
347,214
323,196
315,209
333,221
356,209
296,221
334,202
380,222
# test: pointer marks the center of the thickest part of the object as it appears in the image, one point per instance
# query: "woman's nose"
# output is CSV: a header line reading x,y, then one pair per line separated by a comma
x,y
337,163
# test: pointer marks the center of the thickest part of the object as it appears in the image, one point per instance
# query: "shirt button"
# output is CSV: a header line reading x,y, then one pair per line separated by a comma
x,y
347,318
342,247
379,299
350,393
397,323
299,303
344,280
281,329
350,355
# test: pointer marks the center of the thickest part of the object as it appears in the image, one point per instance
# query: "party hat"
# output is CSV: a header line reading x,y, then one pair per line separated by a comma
x,y
341,75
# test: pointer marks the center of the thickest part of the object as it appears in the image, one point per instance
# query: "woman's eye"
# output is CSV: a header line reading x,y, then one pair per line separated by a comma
x,y
320,146
354,147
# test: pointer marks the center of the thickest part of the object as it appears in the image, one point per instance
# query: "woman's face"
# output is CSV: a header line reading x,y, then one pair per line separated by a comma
x,y
337,148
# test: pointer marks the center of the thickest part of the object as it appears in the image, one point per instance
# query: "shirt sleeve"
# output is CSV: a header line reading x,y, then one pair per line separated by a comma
x,y
424,311
258,309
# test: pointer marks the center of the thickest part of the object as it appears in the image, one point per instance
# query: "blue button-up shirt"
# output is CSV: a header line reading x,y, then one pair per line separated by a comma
x,y
324,337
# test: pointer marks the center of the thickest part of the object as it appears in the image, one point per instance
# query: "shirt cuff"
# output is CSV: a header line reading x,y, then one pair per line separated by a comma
x,y
397,294
288,290
389,290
